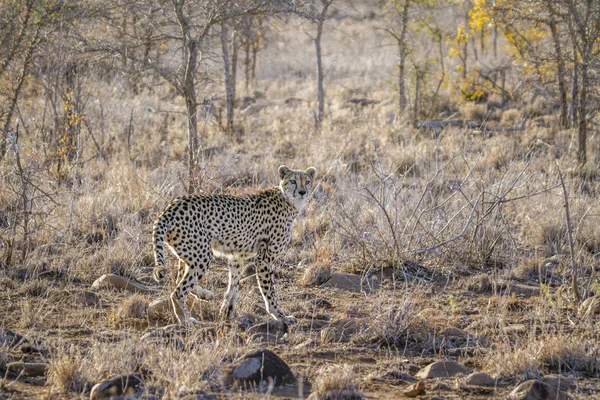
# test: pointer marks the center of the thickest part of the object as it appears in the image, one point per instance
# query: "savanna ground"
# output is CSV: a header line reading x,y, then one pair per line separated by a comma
x,y
457,228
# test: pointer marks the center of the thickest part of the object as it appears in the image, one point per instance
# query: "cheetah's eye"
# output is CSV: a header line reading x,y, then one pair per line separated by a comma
x,y
308,182
293,182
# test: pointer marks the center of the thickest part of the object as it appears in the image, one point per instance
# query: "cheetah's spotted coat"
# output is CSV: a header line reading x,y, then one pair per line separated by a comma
x,y
196,227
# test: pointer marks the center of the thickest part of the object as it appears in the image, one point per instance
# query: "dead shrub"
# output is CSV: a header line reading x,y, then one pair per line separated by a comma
x,y
511,117
64,372
335,382
473,111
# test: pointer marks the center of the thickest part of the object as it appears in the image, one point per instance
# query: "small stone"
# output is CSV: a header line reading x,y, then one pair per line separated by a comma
x,y
350,282
559,381
536,390
112,281
254,367
125,385
414,390
160,309
480,379
442,369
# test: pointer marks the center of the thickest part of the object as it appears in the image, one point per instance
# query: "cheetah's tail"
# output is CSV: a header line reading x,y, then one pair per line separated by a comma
x,y
158,239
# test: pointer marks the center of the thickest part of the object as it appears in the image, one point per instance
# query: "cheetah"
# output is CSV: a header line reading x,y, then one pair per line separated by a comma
x,y
198,227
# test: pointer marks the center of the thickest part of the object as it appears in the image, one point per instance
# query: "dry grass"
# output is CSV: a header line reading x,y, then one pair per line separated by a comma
x,y
439,218
335,382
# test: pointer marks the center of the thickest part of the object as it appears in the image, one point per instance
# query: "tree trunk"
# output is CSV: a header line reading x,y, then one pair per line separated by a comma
x,y
560,65
229,90
574,90
582,128
191,104
320,90
247,63
402,59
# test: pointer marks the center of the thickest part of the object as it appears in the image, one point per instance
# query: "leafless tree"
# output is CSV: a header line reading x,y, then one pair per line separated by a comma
x,y
186,26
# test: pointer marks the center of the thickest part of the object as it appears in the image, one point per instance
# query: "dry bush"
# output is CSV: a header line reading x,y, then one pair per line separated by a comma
x,y
335,382
473,111
511,117
66,373
393,317
575,353
315,275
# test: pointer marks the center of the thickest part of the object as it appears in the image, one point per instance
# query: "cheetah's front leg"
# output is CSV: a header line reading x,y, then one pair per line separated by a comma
x,y
266,284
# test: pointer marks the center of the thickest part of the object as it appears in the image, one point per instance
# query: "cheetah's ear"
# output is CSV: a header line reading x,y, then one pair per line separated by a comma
x,y
283,171
311,172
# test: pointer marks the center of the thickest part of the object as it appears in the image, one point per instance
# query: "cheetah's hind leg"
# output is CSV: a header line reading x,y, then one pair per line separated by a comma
x,y
235,273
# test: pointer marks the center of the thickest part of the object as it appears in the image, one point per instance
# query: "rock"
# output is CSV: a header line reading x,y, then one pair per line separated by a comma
x,y
160,309
333,335
414,390
25,368
125,385
350,282
442,369
536,390
87,298
272,326
480,379
559,381
521,290
257,366
590,307
337,395
112,281
265,338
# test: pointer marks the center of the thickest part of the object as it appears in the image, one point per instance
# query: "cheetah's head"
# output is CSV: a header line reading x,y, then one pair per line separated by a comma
x,y
296,185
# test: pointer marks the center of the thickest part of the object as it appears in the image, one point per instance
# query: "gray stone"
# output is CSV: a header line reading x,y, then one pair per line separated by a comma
x,y
252,368
442,369
536,390
480,379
